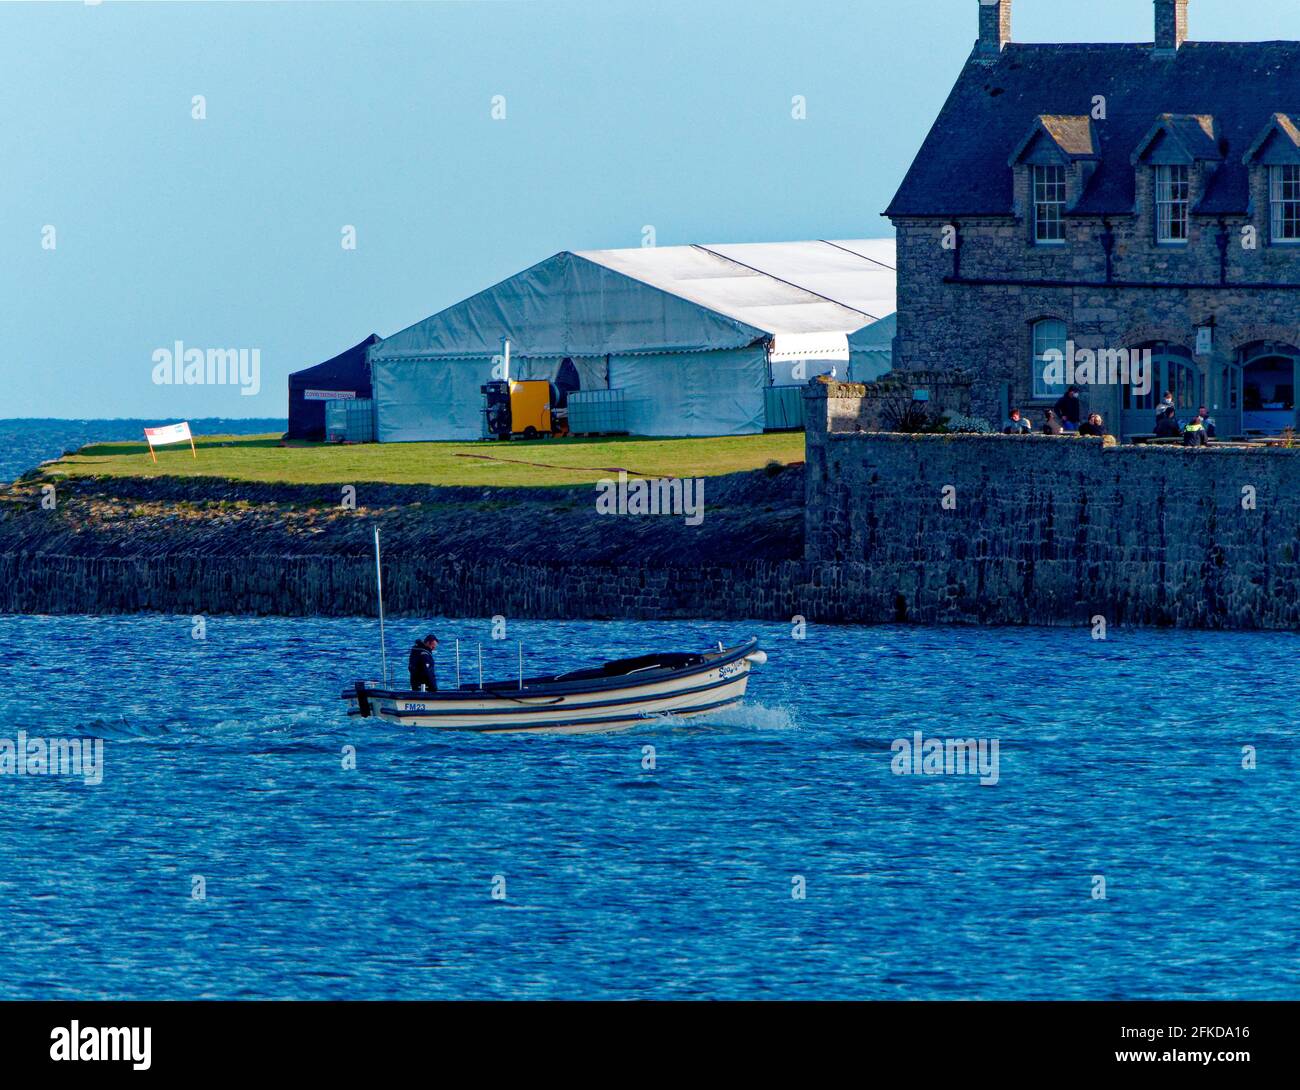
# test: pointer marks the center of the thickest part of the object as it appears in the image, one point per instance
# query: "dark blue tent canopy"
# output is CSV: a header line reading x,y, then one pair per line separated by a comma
x,y
347,374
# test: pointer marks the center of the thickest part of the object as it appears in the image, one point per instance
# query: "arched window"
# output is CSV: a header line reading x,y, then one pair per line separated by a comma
x,y
1049,340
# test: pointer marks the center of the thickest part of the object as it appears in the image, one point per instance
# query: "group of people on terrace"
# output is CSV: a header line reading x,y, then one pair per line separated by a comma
x,y
1195,432
1063,418
1066,418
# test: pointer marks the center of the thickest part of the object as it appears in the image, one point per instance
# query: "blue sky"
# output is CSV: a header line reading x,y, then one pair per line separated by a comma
x,y
226,232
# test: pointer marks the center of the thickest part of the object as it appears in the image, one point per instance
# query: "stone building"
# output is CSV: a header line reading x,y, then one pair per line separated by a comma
x,y
1106,199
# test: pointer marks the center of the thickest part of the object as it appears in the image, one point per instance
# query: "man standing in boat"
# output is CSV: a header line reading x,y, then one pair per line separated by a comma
x,y
421,666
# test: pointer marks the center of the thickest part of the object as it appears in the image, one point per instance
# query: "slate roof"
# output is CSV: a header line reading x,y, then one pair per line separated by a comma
x,y
1279,123
1194,134
963,166
1073,136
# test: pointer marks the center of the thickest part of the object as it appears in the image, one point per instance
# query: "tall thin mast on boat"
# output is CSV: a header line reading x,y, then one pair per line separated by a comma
x,y
379,587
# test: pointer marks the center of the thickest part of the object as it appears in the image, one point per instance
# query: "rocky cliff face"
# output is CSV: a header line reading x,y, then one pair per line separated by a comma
x,y
929,529
211,546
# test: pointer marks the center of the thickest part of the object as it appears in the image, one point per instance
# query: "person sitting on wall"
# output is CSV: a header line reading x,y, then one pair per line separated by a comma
x,y
1167,424
1015,424
1052,423
1194,433
1094,426
420,664
1069,409
1207,420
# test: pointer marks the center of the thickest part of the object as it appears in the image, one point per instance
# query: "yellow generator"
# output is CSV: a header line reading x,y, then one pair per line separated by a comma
x,y
518,408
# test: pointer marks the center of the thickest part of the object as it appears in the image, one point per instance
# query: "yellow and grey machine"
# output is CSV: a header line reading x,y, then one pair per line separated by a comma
x,y
518,408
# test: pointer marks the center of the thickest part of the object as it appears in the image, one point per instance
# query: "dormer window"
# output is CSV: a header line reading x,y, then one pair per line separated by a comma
x,y
1051,167
1173,203
1284,203
1049,204
1176,161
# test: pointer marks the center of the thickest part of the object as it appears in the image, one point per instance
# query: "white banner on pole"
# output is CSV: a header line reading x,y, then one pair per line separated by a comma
x,y
169,433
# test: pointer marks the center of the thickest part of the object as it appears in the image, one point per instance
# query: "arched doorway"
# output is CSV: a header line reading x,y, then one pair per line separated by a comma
x,y
1261,387
1173,370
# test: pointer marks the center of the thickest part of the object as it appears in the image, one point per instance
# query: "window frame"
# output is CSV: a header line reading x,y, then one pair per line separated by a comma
x,y
1171,197
1277,203
1037,388
1057,182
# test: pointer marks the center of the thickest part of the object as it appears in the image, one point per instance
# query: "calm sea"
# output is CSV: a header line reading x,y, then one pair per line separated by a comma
x,y
224,764
27,443
230,851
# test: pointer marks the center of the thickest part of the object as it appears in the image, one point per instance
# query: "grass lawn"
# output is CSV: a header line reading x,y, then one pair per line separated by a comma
x,y
539,463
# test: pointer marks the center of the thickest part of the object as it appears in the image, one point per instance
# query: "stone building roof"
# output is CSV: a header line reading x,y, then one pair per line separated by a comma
x,y
1073,135
1193,134
1219,99
1280,124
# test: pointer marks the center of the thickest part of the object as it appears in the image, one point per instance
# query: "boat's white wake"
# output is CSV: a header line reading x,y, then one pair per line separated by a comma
x,y
742,716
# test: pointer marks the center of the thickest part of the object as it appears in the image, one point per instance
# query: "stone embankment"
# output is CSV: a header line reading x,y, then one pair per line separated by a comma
x,y
123,545
1047,530
876,528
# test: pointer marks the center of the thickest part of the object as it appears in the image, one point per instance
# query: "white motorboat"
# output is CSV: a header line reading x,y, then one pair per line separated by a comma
x,y
615,696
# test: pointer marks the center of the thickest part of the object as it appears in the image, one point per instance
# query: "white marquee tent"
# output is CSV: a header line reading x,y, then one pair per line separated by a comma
x,y
692,335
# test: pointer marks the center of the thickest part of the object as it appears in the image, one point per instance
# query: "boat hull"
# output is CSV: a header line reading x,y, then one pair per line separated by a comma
x,y
557,707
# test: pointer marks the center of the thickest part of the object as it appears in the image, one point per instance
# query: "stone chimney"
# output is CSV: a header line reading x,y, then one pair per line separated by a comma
x,y
1171,26
995,28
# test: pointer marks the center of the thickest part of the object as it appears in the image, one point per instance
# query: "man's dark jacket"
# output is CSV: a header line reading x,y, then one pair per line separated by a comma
x,y
1068,408
421,666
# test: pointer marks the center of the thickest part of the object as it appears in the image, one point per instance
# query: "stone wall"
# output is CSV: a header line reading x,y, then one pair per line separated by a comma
x,y
891,528
985,327
877,406
1051,530
344,586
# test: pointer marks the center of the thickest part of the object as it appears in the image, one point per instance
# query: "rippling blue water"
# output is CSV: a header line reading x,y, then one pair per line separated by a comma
x,y
1120,758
